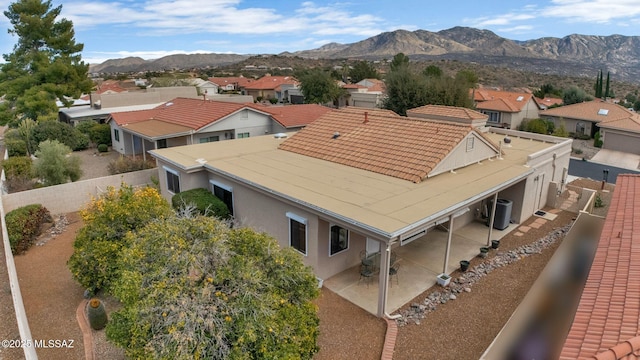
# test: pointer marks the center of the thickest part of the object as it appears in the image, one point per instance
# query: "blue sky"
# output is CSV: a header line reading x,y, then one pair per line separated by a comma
x,y
154,28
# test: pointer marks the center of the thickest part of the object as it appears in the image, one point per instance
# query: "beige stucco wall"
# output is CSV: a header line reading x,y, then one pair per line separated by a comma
x,y
72,197
254,123
460,157
570,124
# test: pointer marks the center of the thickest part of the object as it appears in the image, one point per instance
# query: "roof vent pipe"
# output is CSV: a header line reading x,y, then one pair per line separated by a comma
x,y
335,135
366,117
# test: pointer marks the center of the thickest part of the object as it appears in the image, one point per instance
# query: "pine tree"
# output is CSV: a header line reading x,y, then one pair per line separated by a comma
x,y
45,64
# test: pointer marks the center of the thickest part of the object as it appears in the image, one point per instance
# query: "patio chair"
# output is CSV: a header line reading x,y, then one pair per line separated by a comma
x,y
393,271
366,273
366,259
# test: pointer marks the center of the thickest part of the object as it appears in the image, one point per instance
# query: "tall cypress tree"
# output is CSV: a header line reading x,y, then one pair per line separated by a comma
x,y
598,86
607,93
45,64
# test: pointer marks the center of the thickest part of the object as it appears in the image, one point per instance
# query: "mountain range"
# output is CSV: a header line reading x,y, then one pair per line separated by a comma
x,y
574,55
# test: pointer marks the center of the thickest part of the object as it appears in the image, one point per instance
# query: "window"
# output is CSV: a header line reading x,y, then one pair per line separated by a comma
x,y
209,139
580,128
173,180
494,117
339,239
470,143
298,232
242,135
224,193
116,134
161,144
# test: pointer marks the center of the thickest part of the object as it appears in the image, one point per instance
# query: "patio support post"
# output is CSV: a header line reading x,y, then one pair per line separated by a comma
x,y
144,155
383,278
448,250
133,146
492,218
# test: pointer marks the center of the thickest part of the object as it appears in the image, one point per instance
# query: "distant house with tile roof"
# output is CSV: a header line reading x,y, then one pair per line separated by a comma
x,y
605,325
184,121
367,93
268,87
619,127
547,102
231,83
505,108
449,113
368,180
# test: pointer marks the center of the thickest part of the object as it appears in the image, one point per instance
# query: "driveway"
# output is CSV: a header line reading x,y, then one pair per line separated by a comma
x,y
617,158
594,170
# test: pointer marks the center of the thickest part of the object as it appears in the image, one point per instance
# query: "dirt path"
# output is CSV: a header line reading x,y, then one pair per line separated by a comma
x,y
50,295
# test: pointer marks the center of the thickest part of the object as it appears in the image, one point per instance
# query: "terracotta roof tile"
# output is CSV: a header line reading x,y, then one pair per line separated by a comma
x,y
379,141
236,81
270,82
606,322
449,111
292,116
497,100
591,111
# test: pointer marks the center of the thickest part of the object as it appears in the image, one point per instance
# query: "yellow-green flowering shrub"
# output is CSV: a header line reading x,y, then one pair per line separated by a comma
x,y
107,220
193,288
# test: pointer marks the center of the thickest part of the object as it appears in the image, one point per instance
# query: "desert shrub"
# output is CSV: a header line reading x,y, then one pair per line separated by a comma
x,y
53,166
103,148
273,100
23,226
598,202
205,202
540,126
55,130
100,134
17,166
16,147
561,130
577,151
597,140
126,164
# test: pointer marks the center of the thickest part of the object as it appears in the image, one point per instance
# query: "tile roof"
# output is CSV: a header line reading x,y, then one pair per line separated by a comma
x,y
237,81
589,111
157,128
270,82
291,116
449,112
609,309
378,141
548,101
503,101
192,113
109,86
373,84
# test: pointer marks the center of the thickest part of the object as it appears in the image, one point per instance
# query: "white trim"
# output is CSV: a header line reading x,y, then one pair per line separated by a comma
x,y
348,236
300,219
174,172
404,240
219,184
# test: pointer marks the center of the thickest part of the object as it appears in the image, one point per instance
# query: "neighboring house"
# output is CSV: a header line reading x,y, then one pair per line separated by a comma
x,y
205,87
184,121
366,179
547,102
233,83
505,109
449,113
265,87
605,325
367,93
101,105
620,126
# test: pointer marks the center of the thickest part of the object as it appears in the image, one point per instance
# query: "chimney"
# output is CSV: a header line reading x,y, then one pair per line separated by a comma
x,y
366,117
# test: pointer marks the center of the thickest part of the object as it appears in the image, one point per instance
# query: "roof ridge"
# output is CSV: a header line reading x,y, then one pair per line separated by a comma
x,y
628,347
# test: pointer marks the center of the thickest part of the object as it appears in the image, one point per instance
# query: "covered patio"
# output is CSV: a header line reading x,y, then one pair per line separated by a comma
x,y
420,262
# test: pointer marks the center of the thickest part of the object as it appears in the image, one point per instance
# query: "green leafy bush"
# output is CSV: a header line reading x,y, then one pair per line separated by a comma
x,y
540,126
16,147
17,166
598,202
53,166
100,134
55,130
205,202
103,148
126,164
273,101
23,226
597,141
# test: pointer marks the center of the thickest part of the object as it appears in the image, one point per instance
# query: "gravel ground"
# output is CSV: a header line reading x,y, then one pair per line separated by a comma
x,y
94,164
585,149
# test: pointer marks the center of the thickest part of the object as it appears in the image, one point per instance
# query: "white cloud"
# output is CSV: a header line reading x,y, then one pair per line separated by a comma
x,y
598,11
504,19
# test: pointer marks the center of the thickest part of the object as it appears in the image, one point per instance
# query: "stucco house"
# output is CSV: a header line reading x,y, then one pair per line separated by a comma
x,y
367,93
230,83
184,121
505,109
268,87
619,127
370,181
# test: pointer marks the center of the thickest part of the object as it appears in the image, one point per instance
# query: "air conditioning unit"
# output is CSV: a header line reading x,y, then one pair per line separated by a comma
x,y
503,213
